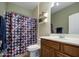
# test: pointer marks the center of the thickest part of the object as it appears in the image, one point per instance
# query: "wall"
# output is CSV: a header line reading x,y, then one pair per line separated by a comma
x,y
61,18
44,29
35,12
2,8
19,9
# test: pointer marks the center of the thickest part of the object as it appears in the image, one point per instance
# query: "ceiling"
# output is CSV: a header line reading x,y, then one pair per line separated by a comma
x,y
32,5
28,5
61,6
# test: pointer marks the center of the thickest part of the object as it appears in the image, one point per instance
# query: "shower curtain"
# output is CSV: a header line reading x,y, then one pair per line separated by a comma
x,y
21,31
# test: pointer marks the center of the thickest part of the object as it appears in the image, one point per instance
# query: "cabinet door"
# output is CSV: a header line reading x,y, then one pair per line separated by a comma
x,y
47,51
51,44
71,50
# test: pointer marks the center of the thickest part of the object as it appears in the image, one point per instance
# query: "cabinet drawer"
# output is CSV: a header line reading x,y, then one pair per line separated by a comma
x,y
71,50
59,54
52,44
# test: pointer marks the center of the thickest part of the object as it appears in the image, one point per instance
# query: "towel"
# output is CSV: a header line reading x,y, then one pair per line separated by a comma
x,y
3,33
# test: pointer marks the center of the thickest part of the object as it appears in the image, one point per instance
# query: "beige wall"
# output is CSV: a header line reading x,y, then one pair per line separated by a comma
x,y
2,8
61,18
18,9
44,29
35,12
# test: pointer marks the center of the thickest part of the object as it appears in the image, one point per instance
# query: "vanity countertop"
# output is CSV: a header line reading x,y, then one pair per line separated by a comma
x,y
72,41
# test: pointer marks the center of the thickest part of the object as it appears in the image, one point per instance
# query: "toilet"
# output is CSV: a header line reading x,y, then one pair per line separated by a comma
x,y
34,50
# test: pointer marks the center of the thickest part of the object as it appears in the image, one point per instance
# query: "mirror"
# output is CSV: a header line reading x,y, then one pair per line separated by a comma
x,y
60,21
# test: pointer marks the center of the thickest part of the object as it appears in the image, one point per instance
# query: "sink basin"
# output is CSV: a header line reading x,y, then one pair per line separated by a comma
x,y
71,38
54,36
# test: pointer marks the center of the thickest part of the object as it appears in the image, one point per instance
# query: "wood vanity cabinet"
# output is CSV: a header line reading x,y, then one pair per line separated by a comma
x,y
50,48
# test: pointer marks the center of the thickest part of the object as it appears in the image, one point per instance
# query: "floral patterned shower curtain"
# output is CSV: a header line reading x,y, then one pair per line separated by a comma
x,y
21,32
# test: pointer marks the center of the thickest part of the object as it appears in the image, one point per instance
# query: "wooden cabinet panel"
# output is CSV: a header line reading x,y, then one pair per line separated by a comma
x,y
52,44
47,51
71,50
59,54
